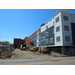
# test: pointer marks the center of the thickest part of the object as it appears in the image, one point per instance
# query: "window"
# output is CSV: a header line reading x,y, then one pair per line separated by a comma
x,y
57,19
66,28
43,32
43,38
57,28
65,18
58,39
47,41
51,40
47,33
38,32
67,38
46,27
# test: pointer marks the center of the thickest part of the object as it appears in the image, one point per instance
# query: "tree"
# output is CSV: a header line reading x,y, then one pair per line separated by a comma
x,y
4,42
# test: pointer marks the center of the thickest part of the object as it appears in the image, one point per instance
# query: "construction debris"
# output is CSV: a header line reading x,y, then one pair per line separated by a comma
x,y
5,52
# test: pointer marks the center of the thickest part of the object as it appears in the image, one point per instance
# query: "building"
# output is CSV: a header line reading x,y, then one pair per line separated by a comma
x,y
59,32
25,41
29,39
18,42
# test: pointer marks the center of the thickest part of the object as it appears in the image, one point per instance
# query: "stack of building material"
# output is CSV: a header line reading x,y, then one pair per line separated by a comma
x,y
5,52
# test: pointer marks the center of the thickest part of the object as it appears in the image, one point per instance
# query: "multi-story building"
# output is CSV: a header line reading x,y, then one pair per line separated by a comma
x,y
29,39
59,32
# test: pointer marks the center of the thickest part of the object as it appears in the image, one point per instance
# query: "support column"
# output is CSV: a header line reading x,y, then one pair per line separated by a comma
x,y
62,50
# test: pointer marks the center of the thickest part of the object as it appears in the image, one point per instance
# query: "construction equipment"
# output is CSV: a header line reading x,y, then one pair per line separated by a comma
x,y
43,50
23,47
32,47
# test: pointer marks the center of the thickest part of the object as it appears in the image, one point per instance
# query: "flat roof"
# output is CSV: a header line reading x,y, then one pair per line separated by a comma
x,y
61,10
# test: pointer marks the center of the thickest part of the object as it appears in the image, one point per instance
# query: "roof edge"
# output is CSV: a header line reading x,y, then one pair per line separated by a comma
x,y
61,10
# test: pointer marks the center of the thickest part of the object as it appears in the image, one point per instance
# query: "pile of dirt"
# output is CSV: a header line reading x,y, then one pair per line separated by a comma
x,y
19,54
4,52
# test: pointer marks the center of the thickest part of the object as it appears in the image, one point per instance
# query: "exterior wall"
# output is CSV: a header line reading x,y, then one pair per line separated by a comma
x,y
67,33
45,39
53,23
59,33
62,33
72,16
73,33
29,39
18,42
49,24
25,41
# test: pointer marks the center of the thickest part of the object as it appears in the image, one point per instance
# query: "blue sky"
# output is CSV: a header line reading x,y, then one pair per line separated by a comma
x,y
19,23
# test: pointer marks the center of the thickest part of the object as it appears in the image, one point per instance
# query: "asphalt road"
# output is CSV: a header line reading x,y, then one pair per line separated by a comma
x,y
51,61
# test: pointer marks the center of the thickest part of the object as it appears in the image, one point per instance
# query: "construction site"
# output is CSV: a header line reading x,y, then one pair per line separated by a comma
x,y
52,39
56,35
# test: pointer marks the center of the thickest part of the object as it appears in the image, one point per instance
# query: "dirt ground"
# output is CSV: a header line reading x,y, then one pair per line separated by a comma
x,y
19,54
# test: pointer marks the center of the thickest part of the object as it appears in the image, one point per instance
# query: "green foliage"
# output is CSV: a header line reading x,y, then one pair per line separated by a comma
x,y
4,42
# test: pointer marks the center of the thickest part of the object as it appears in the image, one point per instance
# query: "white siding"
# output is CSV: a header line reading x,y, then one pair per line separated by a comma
x,y
66,33
59,23
59,33
49,24
62,33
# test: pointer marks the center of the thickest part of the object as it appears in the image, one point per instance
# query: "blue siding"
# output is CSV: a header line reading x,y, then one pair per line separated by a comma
x,y
45,37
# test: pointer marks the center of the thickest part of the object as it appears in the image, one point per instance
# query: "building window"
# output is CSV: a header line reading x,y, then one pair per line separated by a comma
x,y
58,39
51,40
43,32
57,19
66,28
67,38
46,27
43,38
47,33
38,32
57,28
65,18
47,41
